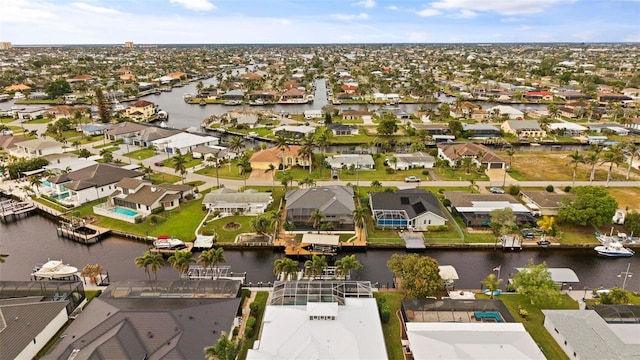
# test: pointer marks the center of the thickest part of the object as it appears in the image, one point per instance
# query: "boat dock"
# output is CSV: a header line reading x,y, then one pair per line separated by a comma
x,y
511,242
169,252
12,210
81,232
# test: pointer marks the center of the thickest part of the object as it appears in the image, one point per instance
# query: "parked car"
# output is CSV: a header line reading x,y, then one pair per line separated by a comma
x,y
412,179
544,242
528,235
158,163
496,190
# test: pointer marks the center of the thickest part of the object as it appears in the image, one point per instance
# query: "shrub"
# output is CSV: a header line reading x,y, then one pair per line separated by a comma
x,y
446,202
549,188
437,228
567,188
389,170
248,331
254,307
235,332
425,172
383,309
251,321
216,213
157,210
204,208
514,189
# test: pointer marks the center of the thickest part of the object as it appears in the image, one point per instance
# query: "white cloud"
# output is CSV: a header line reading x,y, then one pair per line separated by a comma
x,y
504,7
418,37
196,5
349,17
95,9
511,19
524,28
466,14
284,21
429,12
392,8
366,4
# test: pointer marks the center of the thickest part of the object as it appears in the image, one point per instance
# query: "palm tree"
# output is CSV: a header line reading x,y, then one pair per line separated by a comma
x,y
244,166
285,180
316,217
575,159
272,169
287,267
143,262
276,219
211,258
613,156
324,139
179,164
282,145
76,144
315,266
467,163
375,184
553,111
306,150
214,158
633,149
236,144
225,349
592,159
107,156
35,181
491,284
260,224
156,262
181,260
359,216
346,264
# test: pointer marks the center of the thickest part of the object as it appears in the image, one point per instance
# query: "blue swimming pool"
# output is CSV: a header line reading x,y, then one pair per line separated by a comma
x,y
123,211
46,183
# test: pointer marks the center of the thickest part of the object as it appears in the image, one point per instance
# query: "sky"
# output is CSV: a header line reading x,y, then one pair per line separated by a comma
x,y
31,22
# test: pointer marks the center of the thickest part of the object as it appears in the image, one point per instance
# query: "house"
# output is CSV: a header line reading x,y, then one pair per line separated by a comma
x,y
245,118
481,154
599,332
320,319
567,128
335,202
8,142
265,95
295,132
125,131
183,142
410,161
481,131
149,134
523,128
17,87
612,128
343,129
606,97
538,95
143,198
94,129
36,148
356,114
431,128
355,161
138,320
30,112
68,164
37,95
274,156
479,114
29,322
313,114
237,95
508,111
141,110
208,153
89,183
543,202
228,201
572,95
293,95
475,209
461,328
413,209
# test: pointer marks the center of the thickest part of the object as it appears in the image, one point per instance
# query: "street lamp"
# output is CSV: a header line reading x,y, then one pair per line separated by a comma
x,y
626,274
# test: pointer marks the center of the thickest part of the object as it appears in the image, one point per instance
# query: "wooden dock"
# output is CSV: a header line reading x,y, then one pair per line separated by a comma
x,y
169,252
12,210
85,233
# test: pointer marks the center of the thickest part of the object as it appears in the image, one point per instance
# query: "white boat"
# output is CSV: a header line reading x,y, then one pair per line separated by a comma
x,y
232,103
54,269
165,242
613,249
18,96
258,102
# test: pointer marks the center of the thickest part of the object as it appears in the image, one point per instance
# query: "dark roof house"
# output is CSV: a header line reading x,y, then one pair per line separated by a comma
x,y
414,209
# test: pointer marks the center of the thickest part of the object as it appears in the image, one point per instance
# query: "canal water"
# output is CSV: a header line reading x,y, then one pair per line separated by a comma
x,y
34,240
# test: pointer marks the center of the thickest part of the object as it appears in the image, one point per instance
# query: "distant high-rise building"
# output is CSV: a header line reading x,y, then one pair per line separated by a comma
x,y
6,45
128,44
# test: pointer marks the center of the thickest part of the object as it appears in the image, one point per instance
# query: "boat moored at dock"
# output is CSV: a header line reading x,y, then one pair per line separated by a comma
x,y
55,270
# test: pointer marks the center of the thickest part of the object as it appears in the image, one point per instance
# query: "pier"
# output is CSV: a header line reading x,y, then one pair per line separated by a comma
x,y
13,210
77,230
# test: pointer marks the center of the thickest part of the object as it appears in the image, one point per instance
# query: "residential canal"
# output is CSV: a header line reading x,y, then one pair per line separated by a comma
x,y
33,240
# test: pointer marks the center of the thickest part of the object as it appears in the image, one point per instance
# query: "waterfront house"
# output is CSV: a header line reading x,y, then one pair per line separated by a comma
x,y
350,114
209,152
294,132
125,131
184,142
89,183
413,209
293,95
141,110
243,118
410,161
8,142
313,114
523,128
343,129
288,156
265,95
320,319
348,161
480,154
228,201
93,129
432,128
538,95
568,128
606,97
572,95
152,320
543,202
149,134
509,111
464,328
31,149
30,112
475,209
236,94
335,202
481,131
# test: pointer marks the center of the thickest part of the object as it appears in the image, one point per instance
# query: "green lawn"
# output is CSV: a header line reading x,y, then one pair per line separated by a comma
x,y
261,299
224,171
229,236
6,120
447,173
161,177
534,321
380,173
39,121
391,330
189,163
50,204
141,154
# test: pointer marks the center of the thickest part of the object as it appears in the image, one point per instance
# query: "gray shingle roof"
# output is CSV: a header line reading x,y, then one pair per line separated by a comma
x,y
334,200
413,201
94,175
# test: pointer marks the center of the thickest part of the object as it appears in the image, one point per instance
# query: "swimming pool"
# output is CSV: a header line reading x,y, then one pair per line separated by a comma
x,y
46,183
123,211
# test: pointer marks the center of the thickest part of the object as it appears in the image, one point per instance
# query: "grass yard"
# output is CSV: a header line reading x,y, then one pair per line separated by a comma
x,y
224,171
261,299
229,235
380,173
447,173
534,321
626,197
39,121
575,234
141,154
391,330
161,177
50,204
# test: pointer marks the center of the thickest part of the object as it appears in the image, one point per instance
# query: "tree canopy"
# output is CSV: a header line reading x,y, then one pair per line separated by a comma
x,y
633,222
57,88
503,221
387,126
535,282
592,205
419,275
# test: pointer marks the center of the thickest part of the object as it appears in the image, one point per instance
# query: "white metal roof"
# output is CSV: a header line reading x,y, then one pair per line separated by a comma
x,y
560,275
433,340
321,239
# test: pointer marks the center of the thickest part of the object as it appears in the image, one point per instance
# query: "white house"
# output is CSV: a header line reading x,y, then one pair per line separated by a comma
x,y
358,161
185,142
410,161
512,112
414,209
228,201
36,148
313,114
